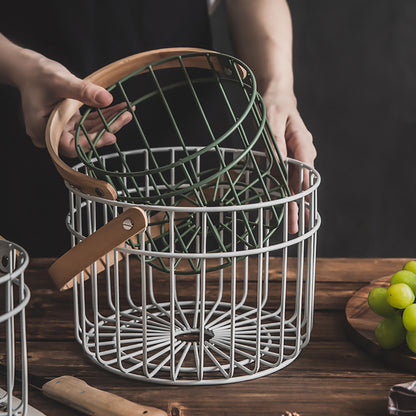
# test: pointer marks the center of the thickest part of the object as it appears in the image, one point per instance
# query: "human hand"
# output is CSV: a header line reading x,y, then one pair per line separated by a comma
x,y
93,124
43,84
293,140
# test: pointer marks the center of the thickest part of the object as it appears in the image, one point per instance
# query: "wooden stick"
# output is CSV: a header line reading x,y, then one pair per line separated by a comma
x,y
79,395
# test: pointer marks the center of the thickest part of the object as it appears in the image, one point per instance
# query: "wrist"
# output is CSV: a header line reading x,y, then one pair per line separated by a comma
x,y
18,64
24,63
273,77
281,81
281,91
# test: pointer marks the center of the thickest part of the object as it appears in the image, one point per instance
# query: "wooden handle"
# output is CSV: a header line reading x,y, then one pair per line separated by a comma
x,y
79,395
106,77
97,245
92,250
63,276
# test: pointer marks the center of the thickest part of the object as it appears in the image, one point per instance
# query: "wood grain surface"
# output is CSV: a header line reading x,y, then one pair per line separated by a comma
x,y
331,376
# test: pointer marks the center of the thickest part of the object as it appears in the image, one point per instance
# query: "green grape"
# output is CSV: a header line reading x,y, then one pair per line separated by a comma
x,y
377,301
390,332
409,317
400,295
411,340
405,276
410,265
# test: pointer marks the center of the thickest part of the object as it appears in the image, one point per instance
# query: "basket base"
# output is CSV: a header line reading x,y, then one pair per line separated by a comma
x,y
223,347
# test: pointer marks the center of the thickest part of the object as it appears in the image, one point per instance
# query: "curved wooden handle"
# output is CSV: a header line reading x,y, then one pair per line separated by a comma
x,y
106,77
94,247
79,395
100,249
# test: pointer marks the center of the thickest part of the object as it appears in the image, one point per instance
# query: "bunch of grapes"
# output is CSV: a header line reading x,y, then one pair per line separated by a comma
x,y
396,304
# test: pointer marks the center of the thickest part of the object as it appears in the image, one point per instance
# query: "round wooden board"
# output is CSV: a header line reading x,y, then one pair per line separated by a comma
x,y
361,323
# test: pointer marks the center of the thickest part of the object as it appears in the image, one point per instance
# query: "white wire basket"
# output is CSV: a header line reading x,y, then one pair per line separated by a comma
x,y
207,316
14,297
182,266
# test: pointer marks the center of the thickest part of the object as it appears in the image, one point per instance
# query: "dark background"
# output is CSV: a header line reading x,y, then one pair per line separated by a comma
x,y
355,80
354,65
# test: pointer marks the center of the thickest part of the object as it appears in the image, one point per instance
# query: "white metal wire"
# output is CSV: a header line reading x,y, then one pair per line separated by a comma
x,y
140,322
14,296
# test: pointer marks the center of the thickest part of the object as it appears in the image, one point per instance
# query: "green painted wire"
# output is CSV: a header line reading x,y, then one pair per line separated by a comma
x,y
191,188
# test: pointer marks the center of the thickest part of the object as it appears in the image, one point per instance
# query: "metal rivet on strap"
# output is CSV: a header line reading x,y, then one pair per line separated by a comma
x,y
128,224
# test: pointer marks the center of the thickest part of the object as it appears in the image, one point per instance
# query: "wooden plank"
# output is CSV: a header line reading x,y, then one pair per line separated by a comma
x,y
327,269
336,396
331,376
319,379
326,294
356,269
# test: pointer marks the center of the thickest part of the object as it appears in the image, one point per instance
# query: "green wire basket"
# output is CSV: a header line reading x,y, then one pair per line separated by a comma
x,y
243,125
205,106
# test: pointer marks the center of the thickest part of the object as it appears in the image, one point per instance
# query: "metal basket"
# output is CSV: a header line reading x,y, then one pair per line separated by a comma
x,y
183,271
182,90
14,298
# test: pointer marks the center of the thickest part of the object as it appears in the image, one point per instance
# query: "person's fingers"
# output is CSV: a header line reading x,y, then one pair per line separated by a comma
x,y
105,139
67,141
295,141
277,121
121,121
108,113
299,141
292,217
95,122
85,91
67,145
298,182
300,147
94,125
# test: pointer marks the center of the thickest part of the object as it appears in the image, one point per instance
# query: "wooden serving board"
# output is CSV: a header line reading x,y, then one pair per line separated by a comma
x,y
361,323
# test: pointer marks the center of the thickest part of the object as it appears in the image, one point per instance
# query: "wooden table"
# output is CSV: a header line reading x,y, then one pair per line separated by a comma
x,y
332,376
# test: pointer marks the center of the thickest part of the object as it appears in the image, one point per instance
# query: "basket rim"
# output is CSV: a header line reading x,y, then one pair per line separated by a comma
x,y
173,208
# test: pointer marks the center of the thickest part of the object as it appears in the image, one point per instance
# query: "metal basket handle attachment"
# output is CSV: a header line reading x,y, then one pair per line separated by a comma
x,y
105,77
4,258
97,245
3,268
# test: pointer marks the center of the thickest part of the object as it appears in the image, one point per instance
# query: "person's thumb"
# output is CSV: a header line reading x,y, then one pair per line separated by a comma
x,y
87,92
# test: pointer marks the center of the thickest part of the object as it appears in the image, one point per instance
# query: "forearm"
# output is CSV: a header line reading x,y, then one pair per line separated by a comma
x,y
261,32
15,61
